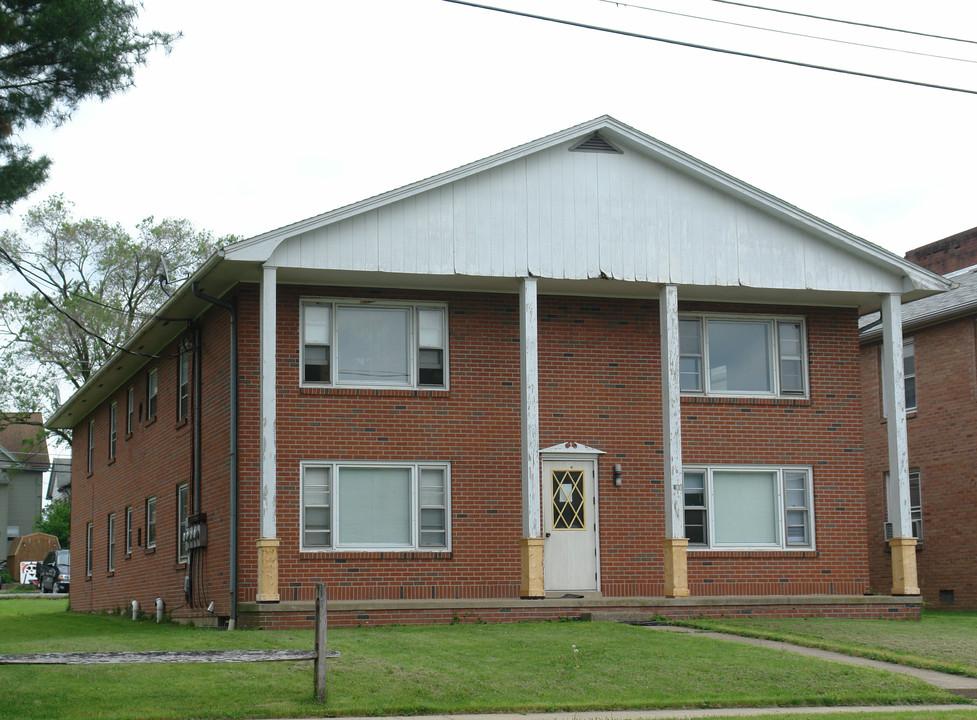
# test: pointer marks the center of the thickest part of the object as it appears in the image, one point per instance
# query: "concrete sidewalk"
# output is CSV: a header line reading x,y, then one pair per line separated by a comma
x,y
678,714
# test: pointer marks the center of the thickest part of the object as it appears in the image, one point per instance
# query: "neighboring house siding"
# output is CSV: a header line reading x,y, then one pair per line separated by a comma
x,y
942,450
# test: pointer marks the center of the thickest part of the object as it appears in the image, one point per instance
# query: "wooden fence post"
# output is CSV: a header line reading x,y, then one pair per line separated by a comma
x,y
320,642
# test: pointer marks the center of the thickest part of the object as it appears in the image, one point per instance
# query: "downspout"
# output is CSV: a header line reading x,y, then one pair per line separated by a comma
x,y
233,422
197,433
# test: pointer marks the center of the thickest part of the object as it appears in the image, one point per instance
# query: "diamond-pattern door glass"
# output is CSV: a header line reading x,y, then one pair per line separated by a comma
x,y
568,499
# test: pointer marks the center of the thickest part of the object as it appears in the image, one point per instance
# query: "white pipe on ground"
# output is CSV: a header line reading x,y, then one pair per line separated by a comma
x,y
135,610
159,609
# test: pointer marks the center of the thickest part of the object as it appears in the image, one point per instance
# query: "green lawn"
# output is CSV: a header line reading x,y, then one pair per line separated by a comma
x,y
940,641
413,670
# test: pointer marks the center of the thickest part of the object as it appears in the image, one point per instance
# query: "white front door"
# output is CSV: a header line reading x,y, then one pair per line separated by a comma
x,y
570,524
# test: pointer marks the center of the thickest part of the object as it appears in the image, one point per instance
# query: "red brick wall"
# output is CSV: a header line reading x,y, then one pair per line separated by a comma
x,y
949,254
941,447
600,384
154,460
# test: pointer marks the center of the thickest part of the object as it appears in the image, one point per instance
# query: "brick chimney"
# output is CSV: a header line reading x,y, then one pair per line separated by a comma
x,y
949,254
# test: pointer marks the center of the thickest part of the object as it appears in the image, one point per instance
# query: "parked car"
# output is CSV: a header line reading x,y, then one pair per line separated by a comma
x,y
54,572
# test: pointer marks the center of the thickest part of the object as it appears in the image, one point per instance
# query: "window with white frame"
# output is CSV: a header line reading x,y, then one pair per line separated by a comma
x,y
89,533
129,530
909,372
742,355
152,393
366,506
113,414
151,522
915,505
374,344
111,543
749,507
183,383
91,446
130,410
182,500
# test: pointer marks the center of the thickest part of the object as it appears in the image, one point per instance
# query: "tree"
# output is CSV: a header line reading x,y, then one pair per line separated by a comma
x,y
91,284
53,55
55,519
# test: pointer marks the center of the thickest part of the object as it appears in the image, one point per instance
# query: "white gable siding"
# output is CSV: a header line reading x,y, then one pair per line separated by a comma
x,y
577,215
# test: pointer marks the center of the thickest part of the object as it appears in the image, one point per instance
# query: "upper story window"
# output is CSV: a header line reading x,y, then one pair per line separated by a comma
x,y
113,413
183,382
91,446
130,410
362,506
374,344
909,372
152,393
742,355
151,522
749,507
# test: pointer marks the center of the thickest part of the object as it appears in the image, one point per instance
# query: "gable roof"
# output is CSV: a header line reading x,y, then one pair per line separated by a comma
x,y
23,443
598,209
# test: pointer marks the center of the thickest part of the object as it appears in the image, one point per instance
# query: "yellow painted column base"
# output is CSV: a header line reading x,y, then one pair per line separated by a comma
x,y
268,570
531,553
904,580
676,567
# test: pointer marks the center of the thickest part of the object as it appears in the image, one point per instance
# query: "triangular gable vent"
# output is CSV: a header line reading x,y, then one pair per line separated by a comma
x,y
595,143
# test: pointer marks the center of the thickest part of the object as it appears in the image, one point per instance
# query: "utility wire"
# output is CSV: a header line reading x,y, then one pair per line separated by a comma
x,y
787,32
71,318
697,46
846,22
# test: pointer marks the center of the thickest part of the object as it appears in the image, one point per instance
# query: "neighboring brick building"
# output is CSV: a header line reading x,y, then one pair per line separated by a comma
x,y
589,373
941,384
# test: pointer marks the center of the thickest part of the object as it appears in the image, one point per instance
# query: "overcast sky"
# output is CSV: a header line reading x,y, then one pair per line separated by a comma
x,y
268,113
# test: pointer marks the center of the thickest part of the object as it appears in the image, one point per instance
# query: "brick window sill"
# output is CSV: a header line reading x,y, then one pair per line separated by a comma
x,y
771,401
150,551
747,554
403,555
374,392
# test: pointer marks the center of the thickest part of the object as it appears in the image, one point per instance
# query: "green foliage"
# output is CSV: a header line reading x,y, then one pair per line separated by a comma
x,y
93,284
53,55
55,519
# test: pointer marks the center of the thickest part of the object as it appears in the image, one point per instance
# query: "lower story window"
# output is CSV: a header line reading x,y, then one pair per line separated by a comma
x,y
364,506
748,507
915,505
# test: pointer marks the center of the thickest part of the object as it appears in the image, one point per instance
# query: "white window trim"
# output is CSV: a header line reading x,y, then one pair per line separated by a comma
x,y
130,410
89,537
781,545
111,543
907,342
915,511
152,394
91,446
113,428
129,530
411,305
151,500
774,355
182,521
415,521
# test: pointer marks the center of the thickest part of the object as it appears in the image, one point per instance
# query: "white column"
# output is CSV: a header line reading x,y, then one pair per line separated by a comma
x,y
529,386
671,412
894,399
269,410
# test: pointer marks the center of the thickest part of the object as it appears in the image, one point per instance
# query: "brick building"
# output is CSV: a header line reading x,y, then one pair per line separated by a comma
x,y
940,366
590,373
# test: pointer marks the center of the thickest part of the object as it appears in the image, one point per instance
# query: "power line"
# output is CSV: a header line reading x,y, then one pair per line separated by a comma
x,y
71,318
788,32
697,46
846,22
